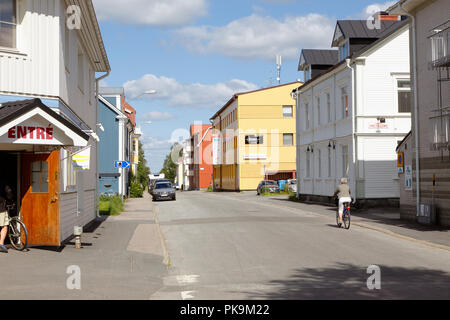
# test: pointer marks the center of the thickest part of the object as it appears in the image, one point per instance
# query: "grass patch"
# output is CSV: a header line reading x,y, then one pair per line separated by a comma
x,y
110,205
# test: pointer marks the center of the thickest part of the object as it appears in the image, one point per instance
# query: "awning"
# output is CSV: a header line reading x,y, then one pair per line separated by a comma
x,y
31,122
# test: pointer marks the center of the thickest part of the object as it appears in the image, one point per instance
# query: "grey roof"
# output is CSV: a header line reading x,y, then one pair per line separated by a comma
x,y
359,29
12,110
319,57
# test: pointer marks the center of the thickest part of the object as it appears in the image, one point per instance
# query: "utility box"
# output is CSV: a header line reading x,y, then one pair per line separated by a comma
x,y
427,214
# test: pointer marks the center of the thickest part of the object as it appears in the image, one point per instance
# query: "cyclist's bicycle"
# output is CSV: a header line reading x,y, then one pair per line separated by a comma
x,y
17,232
346,217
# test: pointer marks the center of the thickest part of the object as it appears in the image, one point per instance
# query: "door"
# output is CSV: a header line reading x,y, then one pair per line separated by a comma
x,y
40,198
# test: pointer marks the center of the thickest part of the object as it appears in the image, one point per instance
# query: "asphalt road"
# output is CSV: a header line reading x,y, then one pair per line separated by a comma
x,y
238,246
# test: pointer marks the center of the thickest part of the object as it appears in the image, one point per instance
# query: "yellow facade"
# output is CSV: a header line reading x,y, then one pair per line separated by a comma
x,y
257,137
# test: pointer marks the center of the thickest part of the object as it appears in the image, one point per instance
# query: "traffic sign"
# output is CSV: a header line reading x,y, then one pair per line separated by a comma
x,y
122,164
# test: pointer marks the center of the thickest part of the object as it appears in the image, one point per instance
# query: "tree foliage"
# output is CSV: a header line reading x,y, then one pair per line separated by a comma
x,y
170,168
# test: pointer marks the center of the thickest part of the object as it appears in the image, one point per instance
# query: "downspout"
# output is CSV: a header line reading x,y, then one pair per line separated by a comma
x,y
97,197
416,104
354,124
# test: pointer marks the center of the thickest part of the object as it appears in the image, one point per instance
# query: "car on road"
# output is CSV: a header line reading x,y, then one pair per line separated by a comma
x,y
267,186
292,185
164,191
153,183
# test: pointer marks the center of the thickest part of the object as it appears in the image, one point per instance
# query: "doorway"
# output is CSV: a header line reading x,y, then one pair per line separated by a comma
x,y
9,176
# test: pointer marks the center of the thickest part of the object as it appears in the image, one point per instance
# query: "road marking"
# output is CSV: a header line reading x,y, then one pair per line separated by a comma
x,y
187,279
186,295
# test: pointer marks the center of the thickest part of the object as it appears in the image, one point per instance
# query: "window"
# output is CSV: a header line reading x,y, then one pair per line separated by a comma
x,y
328,108
39,177
8,23
344,51
306,116
344,103
288,111
404,96
307,74
345,162
253,139
80,70
288,139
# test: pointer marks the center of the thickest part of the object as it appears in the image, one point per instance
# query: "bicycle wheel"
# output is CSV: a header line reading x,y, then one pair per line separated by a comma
x,y
346,219
18,234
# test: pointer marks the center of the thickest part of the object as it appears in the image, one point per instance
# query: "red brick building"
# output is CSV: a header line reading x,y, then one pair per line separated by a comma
x,y
201,167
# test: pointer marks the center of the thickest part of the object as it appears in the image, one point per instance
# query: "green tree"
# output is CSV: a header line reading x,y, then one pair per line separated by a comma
x,y
170,168
142,170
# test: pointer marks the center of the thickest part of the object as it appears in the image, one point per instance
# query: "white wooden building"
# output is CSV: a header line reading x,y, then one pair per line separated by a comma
x,y
51,50
351,116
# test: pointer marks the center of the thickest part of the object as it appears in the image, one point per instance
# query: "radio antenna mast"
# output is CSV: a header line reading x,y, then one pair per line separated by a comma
x,y
279,69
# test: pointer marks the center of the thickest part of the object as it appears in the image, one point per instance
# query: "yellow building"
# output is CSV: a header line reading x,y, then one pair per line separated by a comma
x,y
255,138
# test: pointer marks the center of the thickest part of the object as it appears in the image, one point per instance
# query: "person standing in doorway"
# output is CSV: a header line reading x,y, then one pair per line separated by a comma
x,y
4,223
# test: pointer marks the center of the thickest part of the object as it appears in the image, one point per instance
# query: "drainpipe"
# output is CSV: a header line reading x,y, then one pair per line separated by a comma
x,y
416,104
355,121
97,197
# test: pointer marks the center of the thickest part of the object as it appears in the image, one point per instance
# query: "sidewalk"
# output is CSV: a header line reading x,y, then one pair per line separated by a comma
x,y
121,258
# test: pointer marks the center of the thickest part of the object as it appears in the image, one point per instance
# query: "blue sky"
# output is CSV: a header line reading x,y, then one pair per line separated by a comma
x,y
198,53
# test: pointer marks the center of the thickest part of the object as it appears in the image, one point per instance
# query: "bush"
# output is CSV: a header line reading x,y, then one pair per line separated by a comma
x,y
136,190
110,205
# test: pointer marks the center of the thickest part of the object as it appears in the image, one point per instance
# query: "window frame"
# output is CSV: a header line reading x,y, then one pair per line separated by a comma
x,y
14,24
259,138
292,139
291,114
404,89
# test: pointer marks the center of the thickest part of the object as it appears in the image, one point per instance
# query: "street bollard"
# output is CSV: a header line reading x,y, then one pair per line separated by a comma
x,y
78,231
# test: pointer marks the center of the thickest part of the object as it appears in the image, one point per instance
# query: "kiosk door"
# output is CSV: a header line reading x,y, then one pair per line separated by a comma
x,y
40,198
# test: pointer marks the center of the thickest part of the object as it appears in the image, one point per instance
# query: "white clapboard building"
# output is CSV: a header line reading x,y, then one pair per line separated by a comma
x,y
351,115
50,51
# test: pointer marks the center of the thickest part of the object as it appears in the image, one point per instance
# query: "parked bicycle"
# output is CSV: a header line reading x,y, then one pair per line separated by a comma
x,y
17,232
346,217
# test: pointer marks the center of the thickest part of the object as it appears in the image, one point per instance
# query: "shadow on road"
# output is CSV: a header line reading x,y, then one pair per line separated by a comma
x,y
348,281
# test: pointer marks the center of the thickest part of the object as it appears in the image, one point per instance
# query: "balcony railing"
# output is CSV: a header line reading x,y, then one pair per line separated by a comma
x,y
440,46
441,127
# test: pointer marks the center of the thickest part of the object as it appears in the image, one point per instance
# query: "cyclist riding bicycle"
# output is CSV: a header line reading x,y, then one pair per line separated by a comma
x,y
343,193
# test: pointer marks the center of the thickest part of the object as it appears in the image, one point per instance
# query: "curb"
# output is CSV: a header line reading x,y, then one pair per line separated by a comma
x,y
166,259
396,235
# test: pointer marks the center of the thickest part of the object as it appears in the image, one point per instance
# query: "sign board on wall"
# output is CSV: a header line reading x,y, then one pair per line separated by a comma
x,y
408,178
401,162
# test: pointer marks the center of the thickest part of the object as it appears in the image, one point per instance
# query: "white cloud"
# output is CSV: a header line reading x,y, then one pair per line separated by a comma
x,y
157,116
260,37
151,12
194,95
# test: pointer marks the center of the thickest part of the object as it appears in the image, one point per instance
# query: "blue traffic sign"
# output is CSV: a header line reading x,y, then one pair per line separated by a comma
x,y
122,164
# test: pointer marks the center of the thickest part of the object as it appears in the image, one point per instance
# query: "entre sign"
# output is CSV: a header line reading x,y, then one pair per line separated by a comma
x,y
30,133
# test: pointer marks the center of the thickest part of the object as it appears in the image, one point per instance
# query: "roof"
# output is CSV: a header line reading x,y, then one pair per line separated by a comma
x,y
12,110
319,57
249,92
384,35
403,141
405,5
